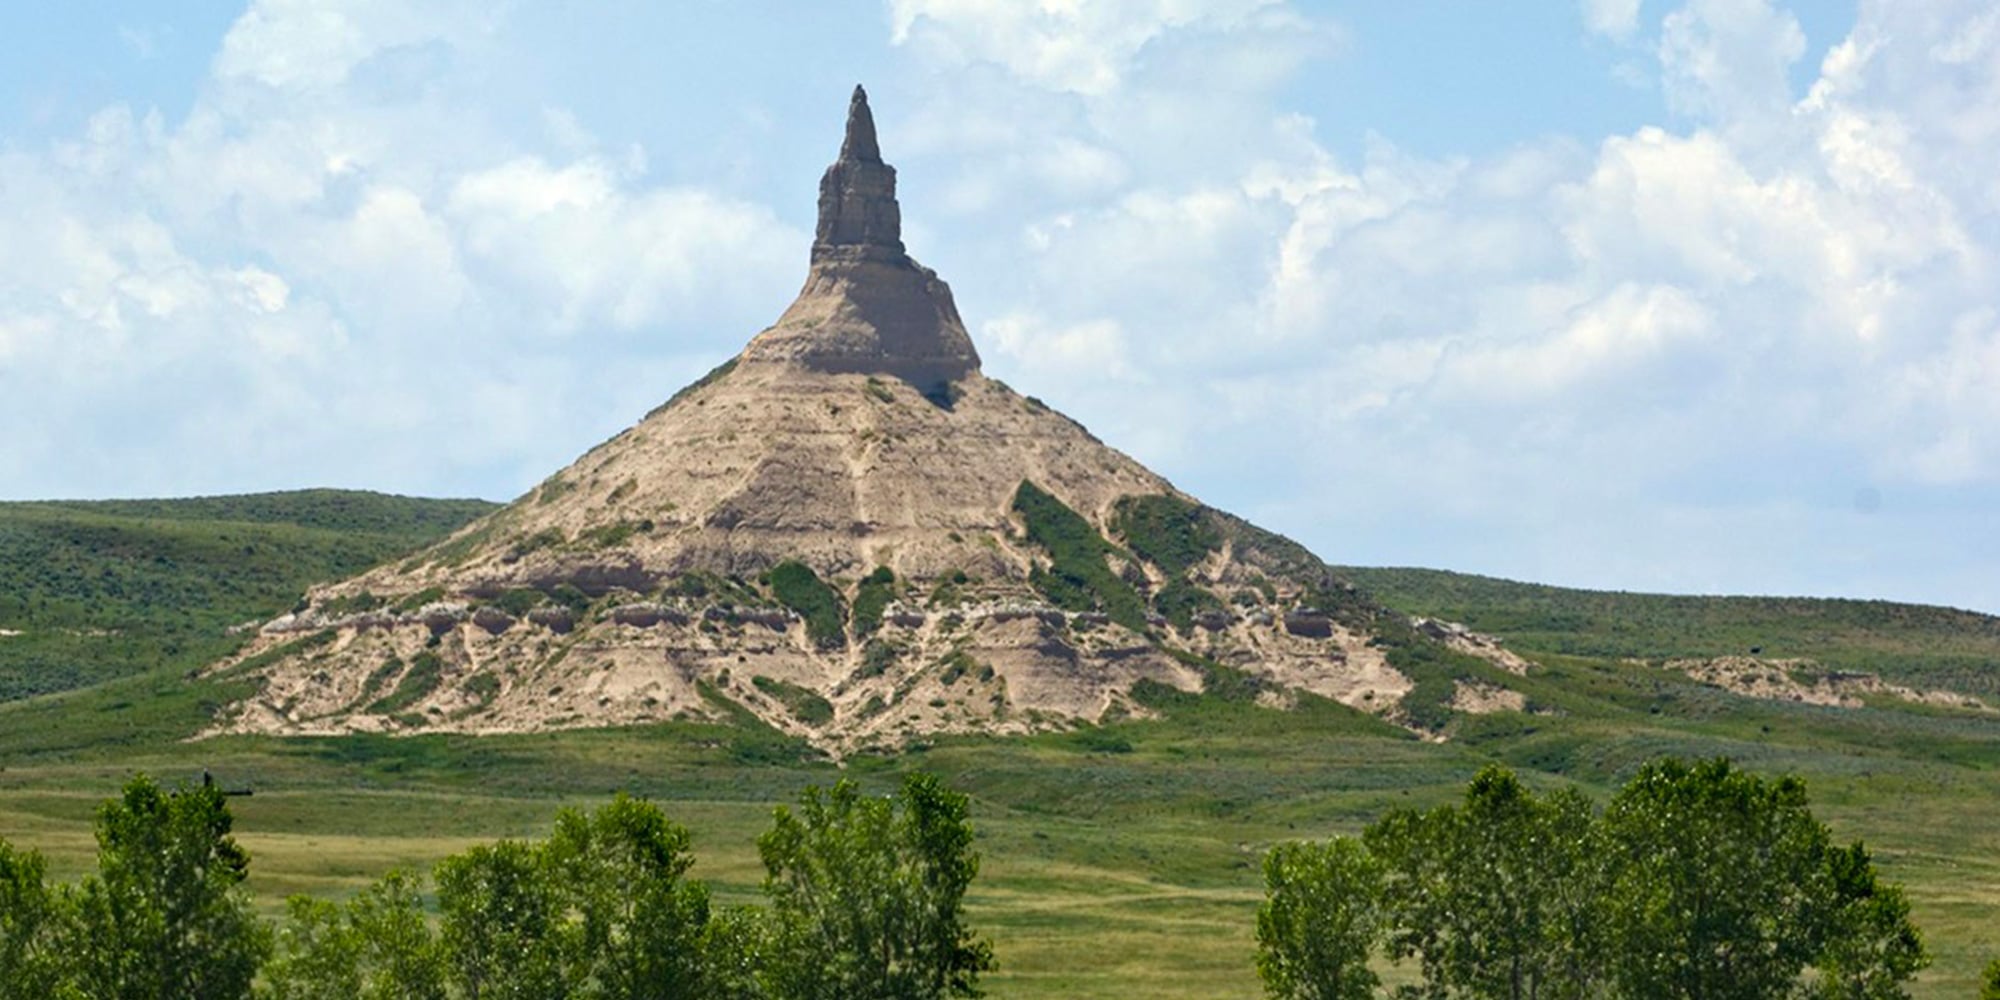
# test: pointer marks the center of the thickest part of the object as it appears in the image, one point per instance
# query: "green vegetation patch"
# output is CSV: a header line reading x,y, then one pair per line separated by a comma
x,y
251,664
958,664
570,596
876,658
1077,578
746,738
876,591
554,489
797,587
482,688
352,604
1180,601
1434,669
547,538
805,704
380,676
519,601
456,550
1167,531
947,593
1221,682
428,595
724,589
606,536
425,674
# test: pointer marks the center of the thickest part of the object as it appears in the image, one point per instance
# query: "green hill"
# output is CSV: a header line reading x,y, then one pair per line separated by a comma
x,y
1913,644
105,589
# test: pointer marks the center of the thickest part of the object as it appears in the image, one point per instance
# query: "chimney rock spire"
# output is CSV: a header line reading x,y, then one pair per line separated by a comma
x,y
860,142
857,195
867,308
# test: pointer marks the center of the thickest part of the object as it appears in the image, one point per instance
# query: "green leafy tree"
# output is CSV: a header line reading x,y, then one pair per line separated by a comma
x,y
317,954
599,910
1989,981
1721,888
1320,919
400,957
734,952
166,917
638,931
1871,947
499,920
377,947
867,895
30,918
1496,897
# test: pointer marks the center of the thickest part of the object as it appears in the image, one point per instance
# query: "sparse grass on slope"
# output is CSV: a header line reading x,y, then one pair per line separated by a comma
x,y
107,589
1912,644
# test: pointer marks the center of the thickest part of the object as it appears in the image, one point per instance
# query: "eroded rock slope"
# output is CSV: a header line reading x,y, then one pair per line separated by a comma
x,y
847,530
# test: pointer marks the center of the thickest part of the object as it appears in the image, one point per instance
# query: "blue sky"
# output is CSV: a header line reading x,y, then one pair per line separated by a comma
x,y
1690,296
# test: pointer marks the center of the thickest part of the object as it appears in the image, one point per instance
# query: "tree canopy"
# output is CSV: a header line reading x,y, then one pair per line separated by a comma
x,y
1699,881
865,900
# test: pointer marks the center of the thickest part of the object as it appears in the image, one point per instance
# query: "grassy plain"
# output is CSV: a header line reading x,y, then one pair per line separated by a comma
x,y
1120,861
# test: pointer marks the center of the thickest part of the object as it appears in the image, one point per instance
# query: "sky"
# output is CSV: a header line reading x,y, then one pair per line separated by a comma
x,y
1696,297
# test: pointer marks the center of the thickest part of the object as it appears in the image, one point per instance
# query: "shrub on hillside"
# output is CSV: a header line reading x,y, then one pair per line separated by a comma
x,y
872,598
1167,531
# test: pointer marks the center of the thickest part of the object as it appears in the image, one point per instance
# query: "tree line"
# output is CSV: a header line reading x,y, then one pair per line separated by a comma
x,y
863,898
1698,881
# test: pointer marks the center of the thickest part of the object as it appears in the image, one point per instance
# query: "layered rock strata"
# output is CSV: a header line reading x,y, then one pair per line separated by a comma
x,y
847,531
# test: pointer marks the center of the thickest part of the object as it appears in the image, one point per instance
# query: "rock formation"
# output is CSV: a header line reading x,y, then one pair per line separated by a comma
x,y
867,308
847,530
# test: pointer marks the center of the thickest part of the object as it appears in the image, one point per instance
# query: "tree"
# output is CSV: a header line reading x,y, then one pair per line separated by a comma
x,y
166,917
1870,948
316,955
599,910
733,953
867,895
378,947
499,924
1989,981
1497,897
1319,921
29,922
400,957
1699,881
639,932
1720,888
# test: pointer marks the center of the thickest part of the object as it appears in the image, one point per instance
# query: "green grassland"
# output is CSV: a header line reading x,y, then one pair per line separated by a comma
x,y
1118,861
110,588
1913,644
